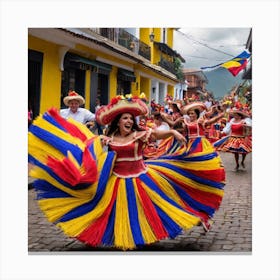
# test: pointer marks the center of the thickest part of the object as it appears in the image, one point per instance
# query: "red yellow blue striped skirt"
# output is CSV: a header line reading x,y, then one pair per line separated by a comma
x,y
77,190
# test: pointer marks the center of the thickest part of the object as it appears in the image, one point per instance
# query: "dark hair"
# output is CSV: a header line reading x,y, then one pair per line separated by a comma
x,y
197,112
175,105
240,115
114,125
157,116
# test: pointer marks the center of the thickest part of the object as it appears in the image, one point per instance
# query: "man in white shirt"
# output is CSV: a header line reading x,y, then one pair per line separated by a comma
x,y
82,115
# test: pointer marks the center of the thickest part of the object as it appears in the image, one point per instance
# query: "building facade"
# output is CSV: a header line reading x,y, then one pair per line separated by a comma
x,y
196,81
99,63
247,73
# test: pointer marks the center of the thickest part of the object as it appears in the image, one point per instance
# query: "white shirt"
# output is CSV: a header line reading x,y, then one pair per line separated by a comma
x,y
82,115
163,127
227,128
208,104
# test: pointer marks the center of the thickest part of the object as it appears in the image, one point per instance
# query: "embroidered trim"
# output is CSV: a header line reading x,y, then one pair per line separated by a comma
x,y
131,175
130,158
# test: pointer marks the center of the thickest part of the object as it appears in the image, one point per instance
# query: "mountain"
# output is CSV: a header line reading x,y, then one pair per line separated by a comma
x,y
221,81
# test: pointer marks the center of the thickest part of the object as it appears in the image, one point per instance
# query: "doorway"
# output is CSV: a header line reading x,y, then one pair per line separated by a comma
x,y
35,63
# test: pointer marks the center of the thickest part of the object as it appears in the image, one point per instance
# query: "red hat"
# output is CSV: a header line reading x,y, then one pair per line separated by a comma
x,y
120,105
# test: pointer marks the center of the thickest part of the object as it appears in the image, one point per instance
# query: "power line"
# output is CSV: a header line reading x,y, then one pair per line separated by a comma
x,y
204,44
206,58
213,45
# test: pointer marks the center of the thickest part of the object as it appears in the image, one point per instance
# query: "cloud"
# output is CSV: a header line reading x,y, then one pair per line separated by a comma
x,y
209,46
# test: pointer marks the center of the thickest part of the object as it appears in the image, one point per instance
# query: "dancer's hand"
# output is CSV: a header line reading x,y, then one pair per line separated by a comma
x,y
180,138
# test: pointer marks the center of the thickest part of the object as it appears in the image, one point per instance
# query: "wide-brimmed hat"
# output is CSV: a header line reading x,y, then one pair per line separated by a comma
x,y
177,103
240,112
120,105
192,106
73,95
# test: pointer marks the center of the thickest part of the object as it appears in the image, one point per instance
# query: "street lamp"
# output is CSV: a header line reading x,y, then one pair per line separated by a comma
x,y
152,37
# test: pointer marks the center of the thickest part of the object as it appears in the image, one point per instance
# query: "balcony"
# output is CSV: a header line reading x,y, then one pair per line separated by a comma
x,y
132,43
144,50
169,66
127,40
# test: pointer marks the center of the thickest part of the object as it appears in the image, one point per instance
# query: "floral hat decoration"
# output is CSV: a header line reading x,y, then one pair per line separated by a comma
x,y
168,98
143,97
73,95
119,105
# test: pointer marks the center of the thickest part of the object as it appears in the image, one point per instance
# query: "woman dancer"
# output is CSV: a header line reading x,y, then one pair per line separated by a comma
x,y
112,197
194,128
238,141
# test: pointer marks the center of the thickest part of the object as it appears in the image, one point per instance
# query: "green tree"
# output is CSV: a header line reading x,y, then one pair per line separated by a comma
x,y
178,66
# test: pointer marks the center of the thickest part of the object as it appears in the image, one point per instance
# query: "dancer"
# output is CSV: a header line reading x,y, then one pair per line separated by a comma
x,y
158,147
239,140
112,197
194,127
174,119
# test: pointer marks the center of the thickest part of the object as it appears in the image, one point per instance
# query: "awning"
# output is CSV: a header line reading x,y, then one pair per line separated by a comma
x,y
126,75
88,64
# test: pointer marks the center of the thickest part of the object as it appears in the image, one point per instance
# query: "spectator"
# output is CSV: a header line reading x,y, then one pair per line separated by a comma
x,y
73,100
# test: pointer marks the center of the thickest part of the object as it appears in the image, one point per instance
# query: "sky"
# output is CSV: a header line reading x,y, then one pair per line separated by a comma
x,y
201,47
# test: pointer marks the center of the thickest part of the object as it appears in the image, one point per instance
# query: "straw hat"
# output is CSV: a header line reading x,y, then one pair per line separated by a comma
x,y
238,111
73,95
177,103
120,105
192,106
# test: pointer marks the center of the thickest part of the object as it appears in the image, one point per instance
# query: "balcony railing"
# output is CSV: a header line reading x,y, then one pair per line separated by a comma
x,y
144,50
125,39
132,43
169,66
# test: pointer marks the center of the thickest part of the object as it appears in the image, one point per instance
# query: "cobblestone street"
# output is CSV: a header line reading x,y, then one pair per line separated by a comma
x,y
230,232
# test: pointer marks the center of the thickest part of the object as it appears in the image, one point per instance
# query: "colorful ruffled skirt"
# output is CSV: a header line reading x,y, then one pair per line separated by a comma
x,y
77,190
166,146
234,144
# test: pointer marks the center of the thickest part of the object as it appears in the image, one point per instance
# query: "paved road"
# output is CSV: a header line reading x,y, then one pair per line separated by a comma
x,y
231,231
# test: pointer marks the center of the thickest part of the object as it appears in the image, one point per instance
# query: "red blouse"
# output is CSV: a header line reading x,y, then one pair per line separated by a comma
x,y
239,129
129,160
194,130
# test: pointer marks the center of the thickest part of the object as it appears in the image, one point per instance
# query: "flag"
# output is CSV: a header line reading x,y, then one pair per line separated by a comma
x,y
235,65
238,63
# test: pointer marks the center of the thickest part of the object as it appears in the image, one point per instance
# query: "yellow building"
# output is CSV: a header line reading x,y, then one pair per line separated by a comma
x,y
99,63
